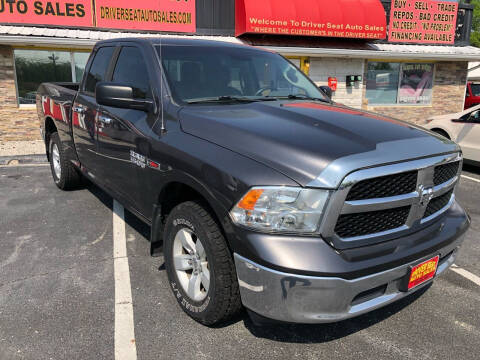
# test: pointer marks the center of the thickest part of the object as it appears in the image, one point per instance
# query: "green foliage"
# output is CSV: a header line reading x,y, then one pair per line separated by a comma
x,y
475,35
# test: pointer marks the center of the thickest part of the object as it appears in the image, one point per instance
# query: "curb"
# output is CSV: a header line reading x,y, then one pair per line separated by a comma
x,y
23,159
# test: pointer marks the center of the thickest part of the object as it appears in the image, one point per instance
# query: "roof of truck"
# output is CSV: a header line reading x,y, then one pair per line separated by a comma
x,y
175,41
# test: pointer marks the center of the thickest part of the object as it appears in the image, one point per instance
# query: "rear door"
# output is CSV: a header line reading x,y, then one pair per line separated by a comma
x,y
122,140
85,109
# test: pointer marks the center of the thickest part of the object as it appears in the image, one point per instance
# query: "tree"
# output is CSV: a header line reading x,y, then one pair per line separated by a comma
x,y
475,35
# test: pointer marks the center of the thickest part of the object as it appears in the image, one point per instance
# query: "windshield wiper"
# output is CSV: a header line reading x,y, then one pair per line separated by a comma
x,y
225,99
305,97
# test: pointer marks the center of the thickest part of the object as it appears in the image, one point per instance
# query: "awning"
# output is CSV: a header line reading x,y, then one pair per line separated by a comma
x,y
362,19
315,47
386,51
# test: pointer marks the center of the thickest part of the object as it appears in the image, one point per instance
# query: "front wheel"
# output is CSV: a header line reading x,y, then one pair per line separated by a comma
x,y
64,174
199,265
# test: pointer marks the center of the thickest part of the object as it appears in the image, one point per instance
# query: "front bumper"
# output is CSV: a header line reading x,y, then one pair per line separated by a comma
x,y
310,299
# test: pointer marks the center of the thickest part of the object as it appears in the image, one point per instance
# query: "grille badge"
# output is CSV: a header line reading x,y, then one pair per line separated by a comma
x,y
426,194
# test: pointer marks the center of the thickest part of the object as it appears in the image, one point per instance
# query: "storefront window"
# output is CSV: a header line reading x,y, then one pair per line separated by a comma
x,y
382,82
36,66
399,83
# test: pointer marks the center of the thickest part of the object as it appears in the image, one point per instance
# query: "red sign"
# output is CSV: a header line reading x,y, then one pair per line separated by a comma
x,y
427,21
332,83
423,272
363,19
43,12
156,15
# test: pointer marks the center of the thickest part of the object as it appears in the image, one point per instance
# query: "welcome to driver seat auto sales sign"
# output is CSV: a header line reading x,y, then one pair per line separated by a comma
x,y
152,15
426,21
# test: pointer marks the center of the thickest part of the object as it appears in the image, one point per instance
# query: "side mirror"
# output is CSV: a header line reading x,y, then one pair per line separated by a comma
x,y
327,90
120,96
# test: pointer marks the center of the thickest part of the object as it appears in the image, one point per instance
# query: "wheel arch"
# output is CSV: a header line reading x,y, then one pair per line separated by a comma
x,y
441,131
177,191
50,128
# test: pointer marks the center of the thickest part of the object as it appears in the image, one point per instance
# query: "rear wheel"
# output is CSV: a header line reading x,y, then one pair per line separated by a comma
x,y
64,174
199,265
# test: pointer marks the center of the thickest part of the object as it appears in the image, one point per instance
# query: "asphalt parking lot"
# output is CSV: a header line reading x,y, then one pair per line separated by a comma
x,y
57,292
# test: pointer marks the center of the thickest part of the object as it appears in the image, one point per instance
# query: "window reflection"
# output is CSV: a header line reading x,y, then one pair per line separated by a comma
x,y
36,66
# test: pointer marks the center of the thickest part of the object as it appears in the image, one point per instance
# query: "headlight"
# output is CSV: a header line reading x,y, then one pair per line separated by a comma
x,y
280,209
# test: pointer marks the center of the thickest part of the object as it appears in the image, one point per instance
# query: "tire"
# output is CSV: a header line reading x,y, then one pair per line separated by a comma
x,y
442,133
217,301
64,174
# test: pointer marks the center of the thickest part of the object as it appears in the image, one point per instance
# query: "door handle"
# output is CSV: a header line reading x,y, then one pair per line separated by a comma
x,y
79,109
105,119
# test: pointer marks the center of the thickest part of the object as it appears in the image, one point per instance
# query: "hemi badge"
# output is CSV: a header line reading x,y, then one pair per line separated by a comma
x,y
153,164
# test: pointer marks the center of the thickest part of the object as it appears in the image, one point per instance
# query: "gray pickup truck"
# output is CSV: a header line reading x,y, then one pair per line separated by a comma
x,y
262,191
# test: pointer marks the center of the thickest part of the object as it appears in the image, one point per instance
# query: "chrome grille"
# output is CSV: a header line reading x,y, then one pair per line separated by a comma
x,y
351,225
437,204
384,186
405,196
445,172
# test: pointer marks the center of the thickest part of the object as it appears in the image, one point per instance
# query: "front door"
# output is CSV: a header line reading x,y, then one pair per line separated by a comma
x,y
122,143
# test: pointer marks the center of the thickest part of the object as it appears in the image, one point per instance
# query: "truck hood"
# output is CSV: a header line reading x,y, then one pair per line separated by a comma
x,y
313,143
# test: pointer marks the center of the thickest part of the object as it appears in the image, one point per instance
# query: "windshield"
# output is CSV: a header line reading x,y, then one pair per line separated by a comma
x,y
199,73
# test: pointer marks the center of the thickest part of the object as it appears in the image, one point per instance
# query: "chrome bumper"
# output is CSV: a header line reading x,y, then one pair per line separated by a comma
x,y
307,299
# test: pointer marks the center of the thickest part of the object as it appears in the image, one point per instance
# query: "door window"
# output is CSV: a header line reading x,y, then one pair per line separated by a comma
x,y
475,117
131,70
99,68
475,89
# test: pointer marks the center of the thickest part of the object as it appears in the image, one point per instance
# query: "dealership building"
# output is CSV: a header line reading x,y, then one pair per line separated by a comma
x,y
403,58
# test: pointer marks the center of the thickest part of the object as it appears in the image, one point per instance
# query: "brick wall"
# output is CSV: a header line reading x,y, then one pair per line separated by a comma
x,y
323,68
448,95
15,123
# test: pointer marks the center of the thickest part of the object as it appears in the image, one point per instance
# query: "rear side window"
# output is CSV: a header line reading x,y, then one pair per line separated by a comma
x,y
99,68
131,70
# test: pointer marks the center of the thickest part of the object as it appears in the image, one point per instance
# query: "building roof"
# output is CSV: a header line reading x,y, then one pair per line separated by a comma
x,y
55,37
46,36
387,51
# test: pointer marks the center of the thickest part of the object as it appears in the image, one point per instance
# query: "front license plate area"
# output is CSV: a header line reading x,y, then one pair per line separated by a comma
x,y
421,273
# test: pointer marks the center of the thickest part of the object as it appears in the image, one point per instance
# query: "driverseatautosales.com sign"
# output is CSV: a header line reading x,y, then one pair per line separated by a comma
x,y
153,15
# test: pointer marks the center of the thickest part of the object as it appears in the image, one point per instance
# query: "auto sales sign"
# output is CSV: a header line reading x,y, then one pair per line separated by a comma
x,y
425,21
41,12
156,15
151,15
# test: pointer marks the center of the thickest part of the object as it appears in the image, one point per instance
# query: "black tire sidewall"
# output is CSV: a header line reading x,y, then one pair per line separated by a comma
x,y
180,218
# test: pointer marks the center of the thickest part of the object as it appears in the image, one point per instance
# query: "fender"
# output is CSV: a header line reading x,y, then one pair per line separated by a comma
x,y
156,232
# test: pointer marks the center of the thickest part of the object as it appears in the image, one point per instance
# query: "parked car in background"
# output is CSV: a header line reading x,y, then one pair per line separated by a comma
x,y
462,127
472,97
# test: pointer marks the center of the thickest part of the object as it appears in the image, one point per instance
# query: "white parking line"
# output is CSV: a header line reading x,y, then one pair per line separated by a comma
x,y
25,165
125,346
470,178
466,274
